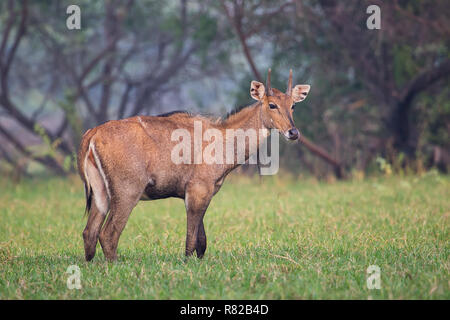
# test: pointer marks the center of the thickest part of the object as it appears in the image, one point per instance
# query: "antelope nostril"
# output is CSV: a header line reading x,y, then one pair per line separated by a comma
x,y
293,134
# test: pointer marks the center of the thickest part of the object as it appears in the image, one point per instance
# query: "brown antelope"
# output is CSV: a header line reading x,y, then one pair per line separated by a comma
x,y
124,161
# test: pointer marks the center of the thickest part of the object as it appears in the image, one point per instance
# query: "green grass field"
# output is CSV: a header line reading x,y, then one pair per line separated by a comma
x,y
275,239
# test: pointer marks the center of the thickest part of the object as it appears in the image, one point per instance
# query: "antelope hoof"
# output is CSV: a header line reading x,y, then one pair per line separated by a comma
x,y
89,256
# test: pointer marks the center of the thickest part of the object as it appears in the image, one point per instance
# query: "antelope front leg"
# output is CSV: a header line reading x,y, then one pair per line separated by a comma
x,y
196,200
200,247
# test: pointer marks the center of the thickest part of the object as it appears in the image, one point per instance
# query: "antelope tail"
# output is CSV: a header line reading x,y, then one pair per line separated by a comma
x,y
95,183
88,194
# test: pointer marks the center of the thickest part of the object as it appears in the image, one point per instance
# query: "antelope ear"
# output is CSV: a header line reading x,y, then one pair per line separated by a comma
x,y
300,91
257,90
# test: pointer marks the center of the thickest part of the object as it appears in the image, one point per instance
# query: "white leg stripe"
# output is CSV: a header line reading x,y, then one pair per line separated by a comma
x,y
100,169
186,201
85,172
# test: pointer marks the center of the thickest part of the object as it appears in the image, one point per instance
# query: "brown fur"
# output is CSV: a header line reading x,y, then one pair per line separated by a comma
x,y
124,161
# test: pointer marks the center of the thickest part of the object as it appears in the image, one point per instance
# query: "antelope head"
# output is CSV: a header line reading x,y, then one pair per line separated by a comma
x,y
278,107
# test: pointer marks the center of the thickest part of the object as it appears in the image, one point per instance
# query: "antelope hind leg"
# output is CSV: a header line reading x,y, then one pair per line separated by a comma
x,y
117,219
92,231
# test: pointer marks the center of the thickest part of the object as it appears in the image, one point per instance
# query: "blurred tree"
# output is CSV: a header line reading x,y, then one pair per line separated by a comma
x,y
12,35
249,18
366,83
125,57
374,92
405,58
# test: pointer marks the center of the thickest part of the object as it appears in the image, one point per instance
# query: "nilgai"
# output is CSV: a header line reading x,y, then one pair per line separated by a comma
x,y
124,161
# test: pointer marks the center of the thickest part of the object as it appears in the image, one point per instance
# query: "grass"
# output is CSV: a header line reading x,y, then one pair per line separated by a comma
x,y
279,239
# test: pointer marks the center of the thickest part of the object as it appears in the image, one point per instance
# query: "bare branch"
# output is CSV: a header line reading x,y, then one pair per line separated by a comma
x,y
9,24
124,100
236,21
423,80
266,17
45,160
5,62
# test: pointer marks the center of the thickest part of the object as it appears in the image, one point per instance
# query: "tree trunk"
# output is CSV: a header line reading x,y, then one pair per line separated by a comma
x,y
401,130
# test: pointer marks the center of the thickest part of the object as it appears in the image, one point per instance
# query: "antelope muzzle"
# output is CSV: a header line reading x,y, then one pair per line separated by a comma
x,y
293,134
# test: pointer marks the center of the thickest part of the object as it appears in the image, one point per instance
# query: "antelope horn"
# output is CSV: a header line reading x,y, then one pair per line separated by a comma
x,y
268,87
289,86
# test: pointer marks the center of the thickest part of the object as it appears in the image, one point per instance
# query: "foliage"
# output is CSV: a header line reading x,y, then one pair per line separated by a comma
x,y
374,92
385,167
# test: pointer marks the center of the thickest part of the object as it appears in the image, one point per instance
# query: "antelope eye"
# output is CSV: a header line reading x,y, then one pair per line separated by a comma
x,y
273,106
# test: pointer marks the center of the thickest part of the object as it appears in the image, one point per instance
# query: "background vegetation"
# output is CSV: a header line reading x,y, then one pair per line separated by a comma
x,y
375,93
